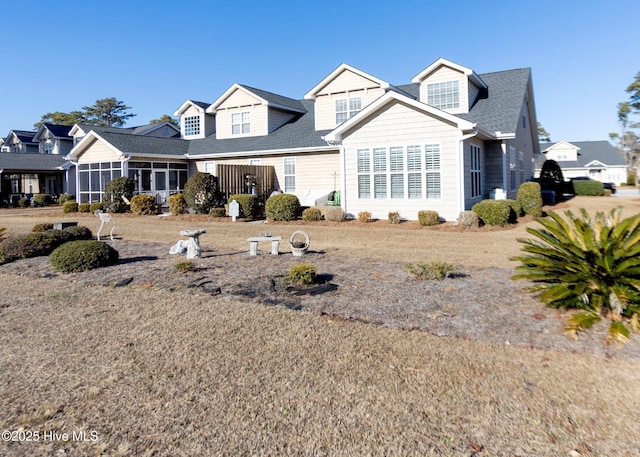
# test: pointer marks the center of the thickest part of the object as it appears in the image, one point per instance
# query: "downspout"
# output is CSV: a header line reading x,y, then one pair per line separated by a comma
x,y
461,189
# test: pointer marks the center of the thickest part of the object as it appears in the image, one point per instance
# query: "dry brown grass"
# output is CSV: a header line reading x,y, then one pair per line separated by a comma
x,y
166,373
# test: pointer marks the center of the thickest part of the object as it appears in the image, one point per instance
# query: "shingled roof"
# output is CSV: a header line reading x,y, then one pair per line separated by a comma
x,y
602,151
21,162
145,145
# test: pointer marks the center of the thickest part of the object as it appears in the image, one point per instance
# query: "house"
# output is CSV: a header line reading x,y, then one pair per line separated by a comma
x,y
25,174
54,139
20,141
444,141
598,160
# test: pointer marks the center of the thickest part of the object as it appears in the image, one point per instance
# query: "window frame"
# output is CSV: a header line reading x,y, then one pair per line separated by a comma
x,y
349,107
444,95
191,125
475,170
241,123
289,174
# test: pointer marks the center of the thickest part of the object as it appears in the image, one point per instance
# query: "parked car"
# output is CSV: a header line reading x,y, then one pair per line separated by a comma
x,y
611,186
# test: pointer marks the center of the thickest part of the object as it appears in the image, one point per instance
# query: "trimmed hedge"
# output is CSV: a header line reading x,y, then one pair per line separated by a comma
x,y
37,244
202,192
428,217
65,198
588,187
84,207
42,227
332,213
282,207
530,198
468,219
41,200
312,214
496,212
82,255
95,206
143,205
70,206
249,205
177,204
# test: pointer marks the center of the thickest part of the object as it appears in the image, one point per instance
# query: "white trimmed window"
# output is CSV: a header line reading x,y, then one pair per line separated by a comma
x,y
475,171
399,172
191,125
48,147
241,123
444,95
347,107
209,167
290,174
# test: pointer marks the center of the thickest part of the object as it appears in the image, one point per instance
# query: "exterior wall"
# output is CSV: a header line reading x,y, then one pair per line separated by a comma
x,y
189,112
209,124
346,84
99,152
563,152
523,142
238,102
494,167
277,118
444,74
400,125
313,170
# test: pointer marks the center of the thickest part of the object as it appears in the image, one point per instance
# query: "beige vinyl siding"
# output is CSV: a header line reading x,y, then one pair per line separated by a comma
x,y
346,84
277,118
98,151
239,102
401,125
313,170
444,74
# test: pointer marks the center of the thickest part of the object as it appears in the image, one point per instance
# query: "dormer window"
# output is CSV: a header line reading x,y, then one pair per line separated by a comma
x,y
444,95
346,108
48,147
241,123
191,125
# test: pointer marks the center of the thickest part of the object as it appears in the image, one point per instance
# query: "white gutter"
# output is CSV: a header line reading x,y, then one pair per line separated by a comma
x,y
231,155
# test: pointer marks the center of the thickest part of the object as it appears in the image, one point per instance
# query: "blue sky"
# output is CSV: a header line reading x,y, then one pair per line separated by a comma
x,y
155,55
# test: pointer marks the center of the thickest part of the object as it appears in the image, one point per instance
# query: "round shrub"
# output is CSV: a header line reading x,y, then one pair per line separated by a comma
x,y
394,217
530,198
177,204
302,273
24,202
201,192
364,216
95,206
82,255
84,207
468,219
143,205
70,206
218,212
494,212
65,198
41,200
312,214
42,227
249,205
34,244
282,207
112,200
78,232
428,217
332,213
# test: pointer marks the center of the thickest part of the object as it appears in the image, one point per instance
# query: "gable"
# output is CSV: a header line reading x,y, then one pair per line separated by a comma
x,y
238,98
347,81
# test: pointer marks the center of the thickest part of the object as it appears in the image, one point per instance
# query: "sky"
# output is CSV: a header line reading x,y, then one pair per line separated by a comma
x,y
153,56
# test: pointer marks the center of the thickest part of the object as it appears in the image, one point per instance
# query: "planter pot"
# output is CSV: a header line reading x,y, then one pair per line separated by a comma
x,y
299,243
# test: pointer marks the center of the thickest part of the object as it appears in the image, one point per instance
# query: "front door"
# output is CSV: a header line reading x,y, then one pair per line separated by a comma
x,y
160,185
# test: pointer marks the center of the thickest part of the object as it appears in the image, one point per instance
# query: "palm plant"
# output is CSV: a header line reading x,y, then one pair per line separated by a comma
x,y
592,265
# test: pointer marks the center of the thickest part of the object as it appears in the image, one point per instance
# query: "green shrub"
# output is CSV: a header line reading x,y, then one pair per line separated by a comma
x,y
249,205
82,255
112,200
631,179
95,206
364,216
607,193
218,212
78,232
41,200
428,217
34,244
143,205
585,264
282,207
495,212
530,198
312,214
42,227
433,269
201,192
588,187
84,207
70,206
24,202
177,204
394,217
468,219
184,266
65,198
302,273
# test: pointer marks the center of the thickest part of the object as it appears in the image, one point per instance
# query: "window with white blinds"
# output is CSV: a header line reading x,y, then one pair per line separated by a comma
x,y
399,172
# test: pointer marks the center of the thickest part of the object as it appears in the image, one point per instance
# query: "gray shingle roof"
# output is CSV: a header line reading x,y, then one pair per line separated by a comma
x,y
10,161
25,136
276,99
145,145
602,151
60,131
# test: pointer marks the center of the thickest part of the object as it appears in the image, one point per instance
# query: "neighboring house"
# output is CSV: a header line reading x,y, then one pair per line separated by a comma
x,y
445,141
598,160
25,174
54,139
21,142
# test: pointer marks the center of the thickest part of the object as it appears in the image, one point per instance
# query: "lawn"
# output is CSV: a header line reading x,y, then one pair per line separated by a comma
x,y
147,372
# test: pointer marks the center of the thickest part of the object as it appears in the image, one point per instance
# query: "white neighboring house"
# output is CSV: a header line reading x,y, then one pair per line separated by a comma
x,y
598,160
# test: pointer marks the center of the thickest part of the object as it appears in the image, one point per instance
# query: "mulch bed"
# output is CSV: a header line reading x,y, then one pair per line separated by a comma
x,y
482,304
